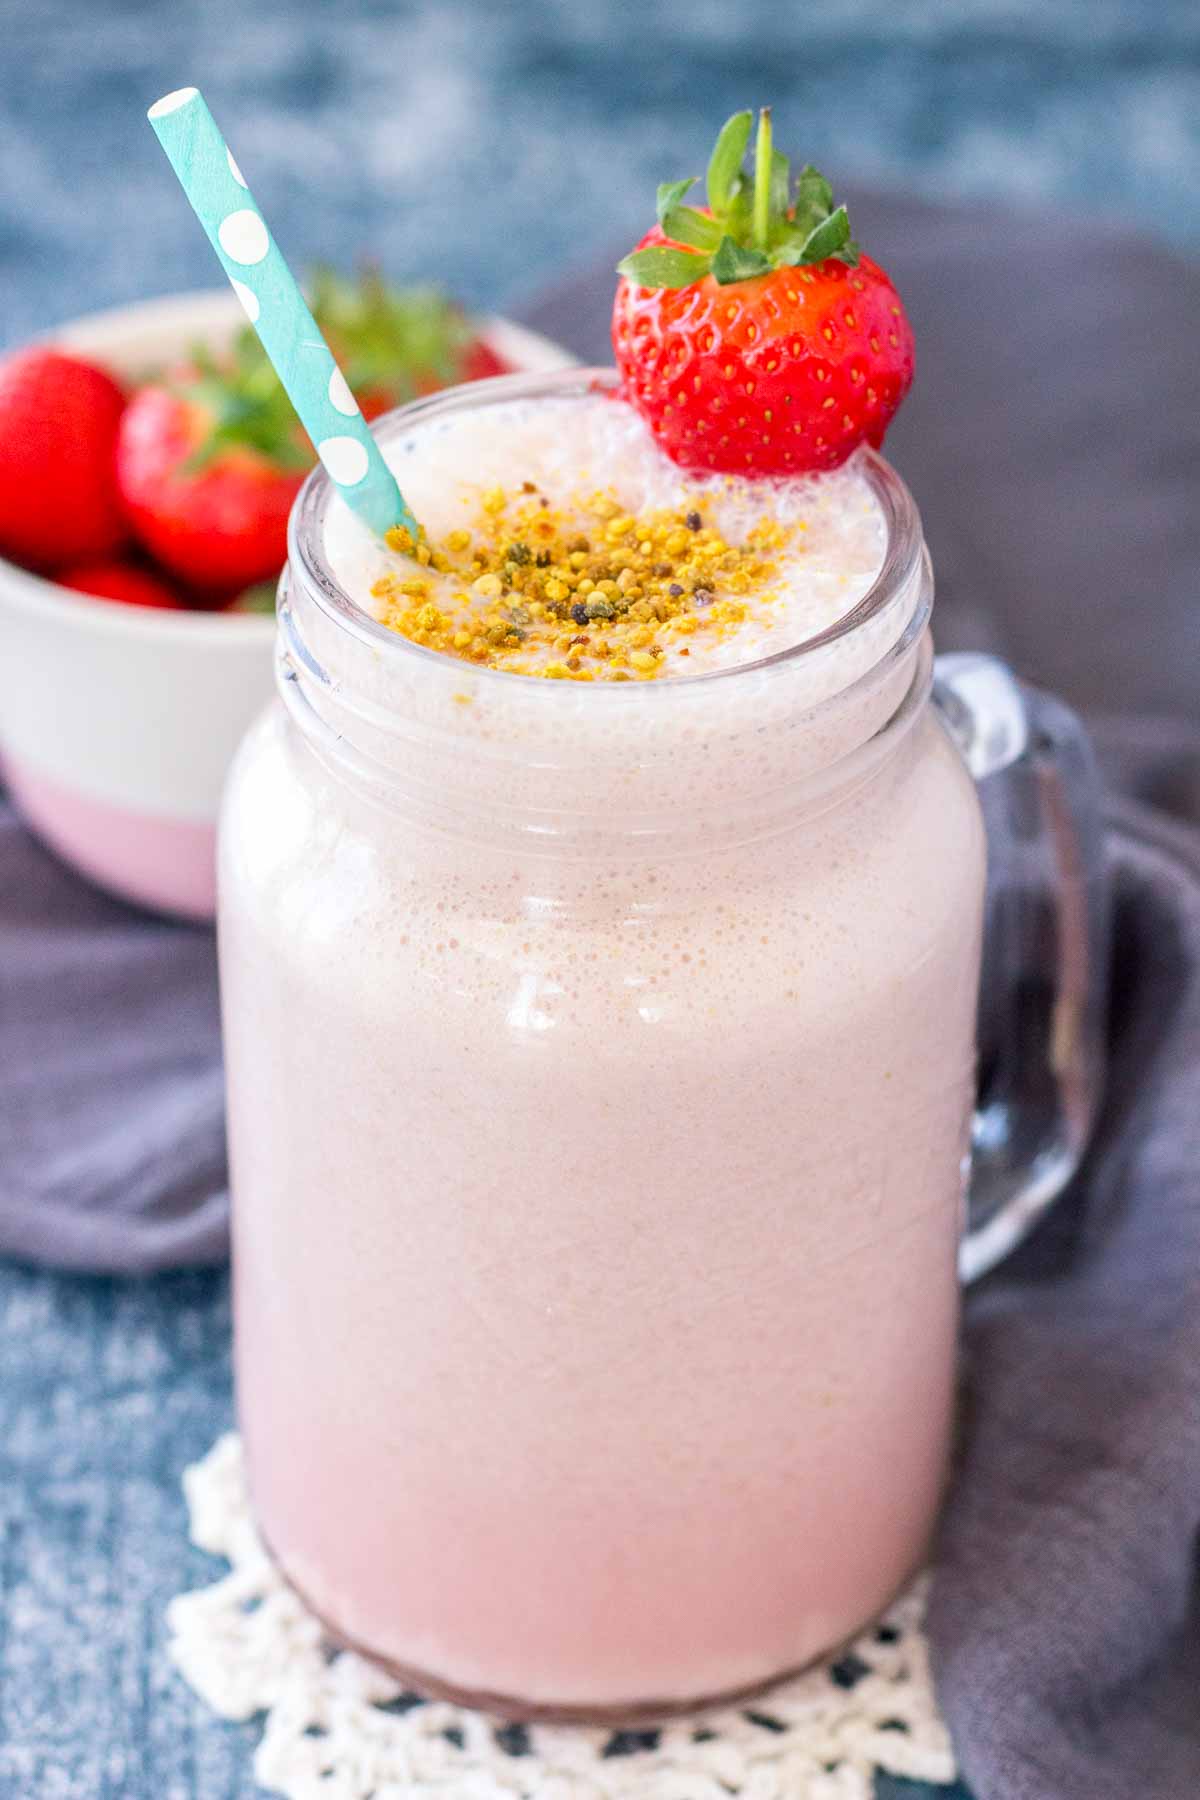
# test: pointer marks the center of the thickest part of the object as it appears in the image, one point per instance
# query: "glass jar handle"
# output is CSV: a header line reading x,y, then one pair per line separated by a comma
x,y
1045,951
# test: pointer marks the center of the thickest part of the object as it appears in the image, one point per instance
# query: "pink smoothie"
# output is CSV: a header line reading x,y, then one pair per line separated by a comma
x,y
599,1069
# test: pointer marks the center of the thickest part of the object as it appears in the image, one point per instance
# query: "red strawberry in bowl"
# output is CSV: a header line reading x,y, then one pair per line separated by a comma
x,y
209,461
753,334
58,490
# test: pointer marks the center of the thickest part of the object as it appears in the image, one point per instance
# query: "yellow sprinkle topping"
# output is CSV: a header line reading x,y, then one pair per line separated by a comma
x,y
589,593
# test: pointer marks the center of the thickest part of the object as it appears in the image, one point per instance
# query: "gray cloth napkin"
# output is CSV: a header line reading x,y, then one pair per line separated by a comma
x,y
1065,1617
112,1124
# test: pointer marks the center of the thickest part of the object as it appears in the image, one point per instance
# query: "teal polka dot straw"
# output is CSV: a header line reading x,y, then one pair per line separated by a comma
x,y
277,309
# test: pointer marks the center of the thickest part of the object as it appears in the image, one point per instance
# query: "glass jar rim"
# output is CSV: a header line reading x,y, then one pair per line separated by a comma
x,y
903,551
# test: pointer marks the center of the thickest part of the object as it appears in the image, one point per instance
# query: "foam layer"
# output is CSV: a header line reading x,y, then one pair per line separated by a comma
x,y
830,528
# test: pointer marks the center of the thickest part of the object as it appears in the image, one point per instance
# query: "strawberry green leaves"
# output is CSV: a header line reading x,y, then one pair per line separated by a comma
x,y
831,237
737,262
399,340
391,343
816,229
686,226
781,177
814,196
683,224
753,223
725,163
671,195
243,405
660,266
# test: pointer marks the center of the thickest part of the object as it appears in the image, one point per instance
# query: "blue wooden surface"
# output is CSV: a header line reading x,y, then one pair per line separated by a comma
x,y
490,144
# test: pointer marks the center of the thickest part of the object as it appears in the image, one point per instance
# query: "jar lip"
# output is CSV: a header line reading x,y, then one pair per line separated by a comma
x,y
901,560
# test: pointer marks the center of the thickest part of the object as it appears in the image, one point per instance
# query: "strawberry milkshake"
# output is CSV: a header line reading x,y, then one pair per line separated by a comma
x,y
600,922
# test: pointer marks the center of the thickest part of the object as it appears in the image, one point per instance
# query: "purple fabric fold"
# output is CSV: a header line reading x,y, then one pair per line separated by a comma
x,y
1065,1619
112,1118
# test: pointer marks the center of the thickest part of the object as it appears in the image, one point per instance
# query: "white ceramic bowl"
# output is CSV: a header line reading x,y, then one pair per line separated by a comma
x,y
117,723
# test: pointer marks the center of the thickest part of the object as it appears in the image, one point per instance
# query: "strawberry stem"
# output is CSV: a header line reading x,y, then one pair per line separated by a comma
x,y
762,180
752,225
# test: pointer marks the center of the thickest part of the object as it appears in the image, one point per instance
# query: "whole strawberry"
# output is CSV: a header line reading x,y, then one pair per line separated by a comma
x,y
58,489
209,461
753,335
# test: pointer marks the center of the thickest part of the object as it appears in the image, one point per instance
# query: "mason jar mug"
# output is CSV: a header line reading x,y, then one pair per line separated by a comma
x,y
603,1090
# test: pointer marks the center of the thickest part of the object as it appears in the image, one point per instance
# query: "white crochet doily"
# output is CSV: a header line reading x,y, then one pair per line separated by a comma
x,y
338,1729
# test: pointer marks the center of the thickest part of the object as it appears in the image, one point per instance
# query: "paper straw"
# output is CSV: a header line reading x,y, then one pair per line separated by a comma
x,y
277,309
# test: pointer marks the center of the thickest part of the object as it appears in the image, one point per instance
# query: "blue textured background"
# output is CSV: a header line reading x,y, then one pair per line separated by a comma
x,y
492,144
495,141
